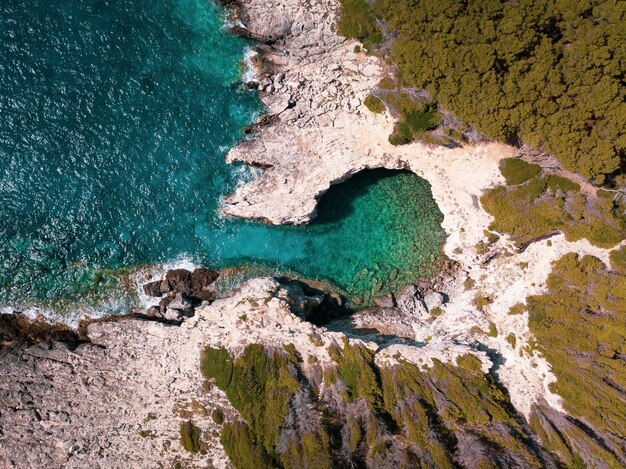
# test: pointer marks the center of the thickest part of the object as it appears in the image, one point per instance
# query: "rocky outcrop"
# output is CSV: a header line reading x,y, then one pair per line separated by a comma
x,y
118,398
318,133
181,291
133,394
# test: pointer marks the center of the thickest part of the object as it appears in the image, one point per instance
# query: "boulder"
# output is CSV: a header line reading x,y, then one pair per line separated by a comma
x,y
178,280
202,278
434,299
206,294
181,302
153,288
384,301
410,301
165,301
173,314
154,312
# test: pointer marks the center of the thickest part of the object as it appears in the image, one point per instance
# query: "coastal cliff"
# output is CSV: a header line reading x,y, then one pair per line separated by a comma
x,y
429,378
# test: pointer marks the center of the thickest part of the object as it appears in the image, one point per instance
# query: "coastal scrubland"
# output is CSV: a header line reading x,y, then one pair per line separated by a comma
x,y
579,327
354,412
551,203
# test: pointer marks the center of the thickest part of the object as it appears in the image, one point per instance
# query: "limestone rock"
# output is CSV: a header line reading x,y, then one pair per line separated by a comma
x,y
411,302
434,300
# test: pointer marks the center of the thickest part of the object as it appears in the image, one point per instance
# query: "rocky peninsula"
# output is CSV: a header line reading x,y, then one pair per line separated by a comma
x,y
135,391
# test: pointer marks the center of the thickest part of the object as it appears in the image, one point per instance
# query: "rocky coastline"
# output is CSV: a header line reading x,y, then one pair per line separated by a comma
x,y
114,392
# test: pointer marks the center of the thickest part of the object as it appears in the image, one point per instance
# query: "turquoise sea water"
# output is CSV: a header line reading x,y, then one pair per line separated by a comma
x,y
115,116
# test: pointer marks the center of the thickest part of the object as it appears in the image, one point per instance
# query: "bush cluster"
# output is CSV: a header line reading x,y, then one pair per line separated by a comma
x,y
370,416
550,204
261,386
415,117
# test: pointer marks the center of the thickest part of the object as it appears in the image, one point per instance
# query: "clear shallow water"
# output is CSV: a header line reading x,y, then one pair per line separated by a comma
x,y
115,117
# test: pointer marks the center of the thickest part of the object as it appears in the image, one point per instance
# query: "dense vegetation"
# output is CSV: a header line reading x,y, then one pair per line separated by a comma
x,y
548,73
580,324
261,387
551,203
357,414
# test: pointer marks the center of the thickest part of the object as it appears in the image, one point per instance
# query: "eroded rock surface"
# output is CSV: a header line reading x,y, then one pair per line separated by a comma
x,y
120,399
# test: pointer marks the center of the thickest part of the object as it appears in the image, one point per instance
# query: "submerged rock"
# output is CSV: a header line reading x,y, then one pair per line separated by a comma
x,y
384,301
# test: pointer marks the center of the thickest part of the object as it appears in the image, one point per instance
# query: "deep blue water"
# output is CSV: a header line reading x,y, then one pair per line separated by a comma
x,y
115,117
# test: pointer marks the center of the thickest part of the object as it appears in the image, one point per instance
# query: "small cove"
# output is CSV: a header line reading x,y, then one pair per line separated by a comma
x,y
115,120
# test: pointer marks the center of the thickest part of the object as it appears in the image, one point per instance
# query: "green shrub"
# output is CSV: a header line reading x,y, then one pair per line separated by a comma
x,y
436,312
217,416
493,330
481,301
415,117
511,339
516,171
387,84
190,436
401,134
358,22
241,450
374,104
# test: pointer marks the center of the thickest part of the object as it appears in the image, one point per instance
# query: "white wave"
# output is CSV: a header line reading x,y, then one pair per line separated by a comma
x,y
249,74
